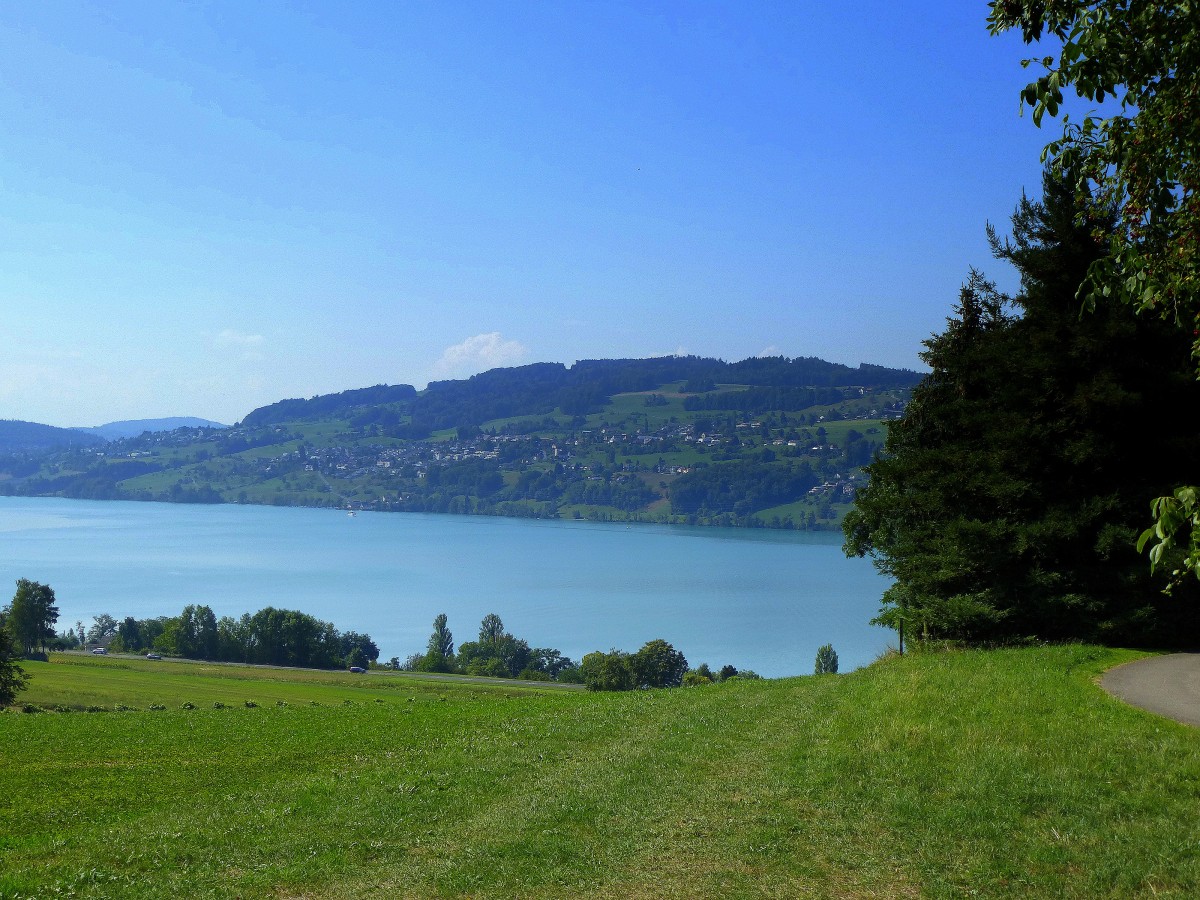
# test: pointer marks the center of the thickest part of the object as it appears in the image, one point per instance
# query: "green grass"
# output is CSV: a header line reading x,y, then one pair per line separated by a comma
x,y
81,681
801,508
997,774
320,432
632,409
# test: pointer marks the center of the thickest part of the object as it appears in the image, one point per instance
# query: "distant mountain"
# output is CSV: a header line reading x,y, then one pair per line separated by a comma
x,y
133,427
26,437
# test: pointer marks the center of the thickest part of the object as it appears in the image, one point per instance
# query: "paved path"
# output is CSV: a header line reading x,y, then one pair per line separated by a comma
x,y
1167,685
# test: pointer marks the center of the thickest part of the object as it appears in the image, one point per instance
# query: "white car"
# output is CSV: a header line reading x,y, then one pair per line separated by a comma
x,y
100,651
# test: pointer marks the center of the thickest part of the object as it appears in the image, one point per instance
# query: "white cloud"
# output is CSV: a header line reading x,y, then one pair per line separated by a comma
x,y
231,338
479,353
770,351
248,344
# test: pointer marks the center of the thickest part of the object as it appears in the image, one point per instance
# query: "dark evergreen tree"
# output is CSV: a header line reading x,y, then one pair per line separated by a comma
x,y
12,676
1009,497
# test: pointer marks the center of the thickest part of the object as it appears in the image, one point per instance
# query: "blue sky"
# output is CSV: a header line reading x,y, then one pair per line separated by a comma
x,y
206,207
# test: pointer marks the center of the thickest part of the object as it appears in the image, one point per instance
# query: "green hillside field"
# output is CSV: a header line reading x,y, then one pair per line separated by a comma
x,y
996,774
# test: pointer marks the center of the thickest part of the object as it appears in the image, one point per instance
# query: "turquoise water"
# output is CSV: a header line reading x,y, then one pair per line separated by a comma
x,y
763,600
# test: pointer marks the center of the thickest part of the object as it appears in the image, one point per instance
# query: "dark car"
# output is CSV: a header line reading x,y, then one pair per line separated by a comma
x,y
357,669
153,656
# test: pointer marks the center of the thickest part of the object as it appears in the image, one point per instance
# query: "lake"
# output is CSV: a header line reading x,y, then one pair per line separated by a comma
x,y
763,600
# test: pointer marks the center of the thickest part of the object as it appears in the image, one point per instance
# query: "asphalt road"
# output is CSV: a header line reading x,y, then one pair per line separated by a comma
x,y
1167,685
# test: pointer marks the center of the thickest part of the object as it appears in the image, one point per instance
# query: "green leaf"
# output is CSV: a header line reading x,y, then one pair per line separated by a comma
x,y
1145,537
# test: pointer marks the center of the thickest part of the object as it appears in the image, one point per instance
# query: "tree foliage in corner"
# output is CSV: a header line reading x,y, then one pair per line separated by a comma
x,y
1142,161
1009,497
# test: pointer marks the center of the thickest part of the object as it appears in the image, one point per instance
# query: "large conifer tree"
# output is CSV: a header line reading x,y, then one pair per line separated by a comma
x,y
12,676
1008,499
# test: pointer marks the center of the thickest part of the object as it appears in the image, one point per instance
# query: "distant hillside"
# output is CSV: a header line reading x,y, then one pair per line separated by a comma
x,y
17,437
27,437
329,404
133,427
765,442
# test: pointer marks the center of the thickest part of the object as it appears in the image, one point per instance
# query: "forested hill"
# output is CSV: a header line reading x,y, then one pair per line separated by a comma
x,y
329,404
583,388
19,437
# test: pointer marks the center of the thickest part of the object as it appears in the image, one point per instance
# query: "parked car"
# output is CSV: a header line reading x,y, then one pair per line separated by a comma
x,y
101,651
153,656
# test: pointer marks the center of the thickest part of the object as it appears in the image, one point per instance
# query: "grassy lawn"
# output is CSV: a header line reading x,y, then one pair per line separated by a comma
x,y
996,774
79,681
